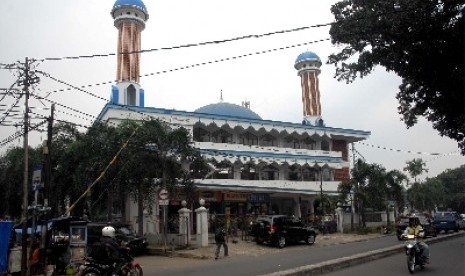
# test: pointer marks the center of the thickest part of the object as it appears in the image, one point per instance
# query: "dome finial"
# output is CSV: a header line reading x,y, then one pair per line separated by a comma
x,y
221,95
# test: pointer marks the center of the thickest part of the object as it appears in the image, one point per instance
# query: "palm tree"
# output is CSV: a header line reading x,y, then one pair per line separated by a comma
x,y
415,168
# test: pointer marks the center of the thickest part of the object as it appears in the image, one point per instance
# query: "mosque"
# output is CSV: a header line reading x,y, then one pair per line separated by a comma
x,y
257,166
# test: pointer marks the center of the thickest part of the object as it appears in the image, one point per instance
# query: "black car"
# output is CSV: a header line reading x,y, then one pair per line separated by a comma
x,y
124,235
424,221
280,230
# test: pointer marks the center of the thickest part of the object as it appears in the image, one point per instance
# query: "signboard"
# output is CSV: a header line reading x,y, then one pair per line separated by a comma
x,y
37,178
164,202
232,196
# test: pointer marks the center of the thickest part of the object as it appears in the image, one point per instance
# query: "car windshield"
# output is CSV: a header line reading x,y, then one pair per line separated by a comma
x,y
443,215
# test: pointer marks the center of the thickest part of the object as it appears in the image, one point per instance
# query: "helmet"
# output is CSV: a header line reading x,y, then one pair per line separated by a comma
x,y
108,231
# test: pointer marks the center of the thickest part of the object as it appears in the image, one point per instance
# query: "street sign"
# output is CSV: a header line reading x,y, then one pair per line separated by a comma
x,y
163,194
164,202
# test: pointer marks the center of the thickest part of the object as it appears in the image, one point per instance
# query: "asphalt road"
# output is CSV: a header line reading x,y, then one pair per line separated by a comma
x,y
447,258
287,258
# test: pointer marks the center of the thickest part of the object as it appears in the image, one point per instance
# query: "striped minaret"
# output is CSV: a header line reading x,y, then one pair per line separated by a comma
x,y
129,18
308,66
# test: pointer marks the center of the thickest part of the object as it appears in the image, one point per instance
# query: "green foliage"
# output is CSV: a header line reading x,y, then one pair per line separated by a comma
x,y
422,41
454,185
424,196
11,180
415,168
372,187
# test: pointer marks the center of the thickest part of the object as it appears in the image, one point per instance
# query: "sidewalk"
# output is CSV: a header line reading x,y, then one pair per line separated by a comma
x,y
250,248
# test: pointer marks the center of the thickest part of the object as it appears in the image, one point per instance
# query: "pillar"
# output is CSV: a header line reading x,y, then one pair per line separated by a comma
x,y
184,223
202,224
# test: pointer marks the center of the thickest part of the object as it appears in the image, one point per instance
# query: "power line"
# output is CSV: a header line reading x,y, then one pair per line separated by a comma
x,y
189,66
190,45
396,10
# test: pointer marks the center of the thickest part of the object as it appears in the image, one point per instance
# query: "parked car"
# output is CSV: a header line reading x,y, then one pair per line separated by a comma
x,y
423,220
124,234
448,221
280,230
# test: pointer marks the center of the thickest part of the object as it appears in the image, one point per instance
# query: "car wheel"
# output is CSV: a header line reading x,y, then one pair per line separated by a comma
x,y
259,240
310,239
281,242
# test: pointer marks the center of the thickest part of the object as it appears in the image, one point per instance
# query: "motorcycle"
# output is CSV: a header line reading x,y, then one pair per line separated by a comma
x,y
414,254
94,267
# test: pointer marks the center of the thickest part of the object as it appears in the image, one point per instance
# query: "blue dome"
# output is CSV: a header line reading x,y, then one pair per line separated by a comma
x,y
227,109
133,3
307,56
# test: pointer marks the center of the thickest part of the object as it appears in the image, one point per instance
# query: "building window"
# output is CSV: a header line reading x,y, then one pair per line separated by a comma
x,y
269,173
292,142
200,134
325,145
248,172
268,140
248,139
308,143
221,136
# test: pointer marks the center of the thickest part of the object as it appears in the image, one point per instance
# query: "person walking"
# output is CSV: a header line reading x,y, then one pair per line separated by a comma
x,y
221,239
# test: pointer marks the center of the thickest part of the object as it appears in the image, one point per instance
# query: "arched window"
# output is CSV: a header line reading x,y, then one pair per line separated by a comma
x,y
325,145
221,136
248,139
201,134
268,140
131,95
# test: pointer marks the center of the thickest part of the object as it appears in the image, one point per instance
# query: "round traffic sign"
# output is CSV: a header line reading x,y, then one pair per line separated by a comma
x,y
163,194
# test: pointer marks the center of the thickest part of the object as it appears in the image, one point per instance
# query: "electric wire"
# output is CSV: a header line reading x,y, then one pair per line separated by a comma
x,y
396,10
190,45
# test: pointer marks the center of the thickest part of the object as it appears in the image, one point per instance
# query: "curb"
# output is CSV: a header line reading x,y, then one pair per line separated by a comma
x,y
344,262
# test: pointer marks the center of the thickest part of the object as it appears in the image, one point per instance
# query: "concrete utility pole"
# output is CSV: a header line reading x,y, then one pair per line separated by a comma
x,y
26,81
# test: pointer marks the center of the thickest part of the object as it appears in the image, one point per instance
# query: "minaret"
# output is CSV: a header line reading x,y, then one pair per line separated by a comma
x,y
308,66
129,18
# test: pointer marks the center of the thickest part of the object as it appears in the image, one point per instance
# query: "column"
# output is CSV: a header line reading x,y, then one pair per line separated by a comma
x,y
202,224
184,223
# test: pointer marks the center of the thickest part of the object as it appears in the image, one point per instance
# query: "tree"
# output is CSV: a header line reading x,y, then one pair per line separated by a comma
x,y
155,152
422,41
415,168
454,184
11,179
372,187
424,196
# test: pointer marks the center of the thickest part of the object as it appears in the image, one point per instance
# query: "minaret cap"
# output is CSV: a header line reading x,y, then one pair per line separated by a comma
x,y
308,61
129,9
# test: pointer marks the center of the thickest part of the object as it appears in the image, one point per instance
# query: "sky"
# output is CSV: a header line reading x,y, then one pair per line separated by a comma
x,y
57,28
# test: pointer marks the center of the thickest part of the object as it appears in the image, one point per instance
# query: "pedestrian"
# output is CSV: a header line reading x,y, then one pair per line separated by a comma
x,y
221,239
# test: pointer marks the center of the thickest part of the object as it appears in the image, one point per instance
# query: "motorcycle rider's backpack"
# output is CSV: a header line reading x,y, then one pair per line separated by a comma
x,y
219,234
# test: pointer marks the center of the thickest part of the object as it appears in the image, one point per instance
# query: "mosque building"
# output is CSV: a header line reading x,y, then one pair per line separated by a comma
x,y
257,166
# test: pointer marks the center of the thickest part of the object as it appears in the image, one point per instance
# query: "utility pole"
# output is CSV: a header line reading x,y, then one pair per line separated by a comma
x,y
47,151
26,81
48,158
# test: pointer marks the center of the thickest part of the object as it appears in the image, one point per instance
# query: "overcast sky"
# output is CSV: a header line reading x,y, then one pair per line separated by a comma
x,y
58,28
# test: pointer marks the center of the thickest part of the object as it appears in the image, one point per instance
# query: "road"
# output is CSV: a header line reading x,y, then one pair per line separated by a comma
x,y
447,258
289,257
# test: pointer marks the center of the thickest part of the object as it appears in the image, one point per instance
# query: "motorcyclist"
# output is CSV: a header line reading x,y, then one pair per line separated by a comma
x,y
415,229
109,250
